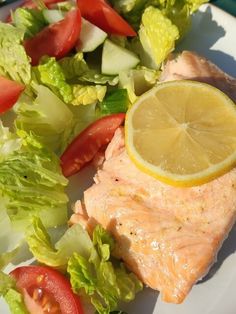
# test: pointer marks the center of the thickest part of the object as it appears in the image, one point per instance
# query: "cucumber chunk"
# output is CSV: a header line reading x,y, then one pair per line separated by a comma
x,y
91,37
116,59
53,16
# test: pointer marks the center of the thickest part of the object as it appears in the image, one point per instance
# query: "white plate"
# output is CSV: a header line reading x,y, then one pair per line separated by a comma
x,y
212,35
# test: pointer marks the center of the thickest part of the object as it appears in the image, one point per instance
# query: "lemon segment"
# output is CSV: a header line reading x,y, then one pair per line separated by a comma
x,y
182,133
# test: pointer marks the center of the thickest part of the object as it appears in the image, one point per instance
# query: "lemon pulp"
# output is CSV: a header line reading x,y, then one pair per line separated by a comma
x,y
182,132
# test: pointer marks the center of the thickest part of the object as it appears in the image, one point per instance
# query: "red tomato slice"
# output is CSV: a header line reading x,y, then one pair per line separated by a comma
x,y
102,15
85,146
9,93
56,40
45,290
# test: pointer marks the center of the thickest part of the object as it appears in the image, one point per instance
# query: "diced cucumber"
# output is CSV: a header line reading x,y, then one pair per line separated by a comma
x,y
53,16
91,37
116,59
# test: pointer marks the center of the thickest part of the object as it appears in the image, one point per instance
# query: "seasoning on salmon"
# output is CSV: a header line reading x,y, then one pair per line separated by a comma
x,y
168,236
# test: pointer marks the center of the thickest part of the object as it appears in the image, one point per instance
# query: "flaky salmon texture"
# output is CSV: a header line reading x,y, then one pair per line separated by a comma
x,y
168,236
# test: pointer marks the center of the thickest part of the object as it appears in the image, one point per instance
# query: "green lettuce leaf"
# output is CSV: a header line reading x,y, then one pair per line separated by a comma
x,y
73,67
74,240
157,35
194,5
84,115
49,73
32,185
137,81
76,69
10,240
115,101
98,78
88,94
6,283
14,62
104,282
48,118
31,21
15,302
12,297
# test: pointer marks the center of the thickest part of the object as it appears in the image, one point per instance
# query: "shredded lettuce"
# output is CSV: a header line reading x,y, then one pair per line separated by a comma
x,y
49,73
194,5
74,66
137,81
88,94
74,240
116,101
31,21
14,62
48,118
32,184
6,283
11,295
88,264
103,282
157,35
10,240
98,78
84,115
15,302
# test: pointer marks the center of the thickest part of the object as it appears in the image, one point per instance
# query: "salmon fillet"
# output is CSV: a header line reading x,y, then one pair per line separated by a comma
x,y
168,236
189,65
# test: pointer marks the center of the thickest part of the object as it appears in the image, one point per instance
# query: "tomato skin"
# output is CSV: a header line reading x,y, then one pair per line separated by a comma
x,y
51,282
55,40
104,16
85,146
9,93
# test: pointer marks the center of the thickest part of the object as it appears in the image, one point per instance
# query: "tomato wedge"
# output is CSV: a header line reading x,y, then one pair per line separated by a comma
x,y
85,146
45,290
55,40
9,93
104,16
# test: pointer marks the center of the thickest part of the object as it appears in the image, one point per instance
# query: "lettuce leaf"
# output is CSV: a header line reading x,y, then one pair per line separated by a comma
x,y
10,240
14,62
116,101
15,302
194,5
137,81
48,118
84,115
74,240
98,78
32,184
49,73
12,297
73,67
157,35
104,282
6,283
31,21
88,94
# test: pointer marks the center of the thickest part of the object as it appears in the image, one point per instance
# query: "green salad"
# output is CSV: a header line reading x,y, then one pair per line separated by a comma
x,y
65,65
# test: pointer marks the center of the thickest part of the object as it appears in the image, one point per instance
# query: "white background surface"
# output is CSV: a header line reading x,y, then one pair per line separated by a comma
x,y
213,35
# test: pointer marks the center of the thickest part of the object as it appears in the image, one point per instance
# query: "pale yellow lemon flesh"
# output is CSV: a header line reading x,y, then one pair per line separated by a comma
x,y
182,133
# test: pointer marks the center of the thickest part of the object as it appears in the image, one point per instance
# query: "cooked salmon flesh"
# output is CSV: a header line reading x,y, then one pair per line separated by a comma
x,y
168,236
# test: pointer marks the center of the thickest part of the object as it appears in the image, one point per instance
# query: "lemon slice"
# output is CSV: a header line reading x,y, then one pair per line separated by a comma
x,y
182,133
